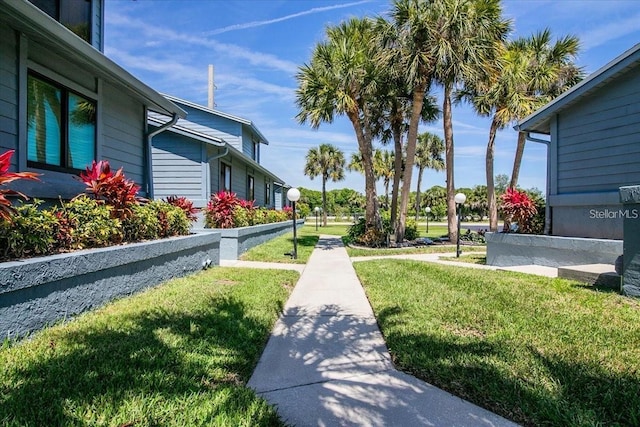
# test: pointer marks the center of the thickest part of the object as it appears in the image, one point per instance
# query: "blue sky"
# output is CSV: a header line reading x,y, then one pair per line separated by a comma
x,y
257,46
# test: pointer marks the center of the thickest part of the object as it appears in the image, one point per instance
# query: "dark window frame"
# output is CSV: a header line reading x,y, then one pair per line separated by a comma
x,y
224,167
57,8
64,126
267,193
251,188
256,151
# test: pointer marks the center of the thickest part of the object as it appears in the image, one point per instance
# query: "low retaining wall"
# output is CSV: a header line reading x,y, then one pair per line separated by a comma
x,y
236,241
40,291
508,249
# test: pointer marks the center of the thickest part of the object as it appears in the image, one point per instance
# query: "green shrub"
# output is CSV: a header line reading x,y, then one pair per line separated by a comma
x,y
172,220
411,230
260,216
355,231
30,233
273,215
94,225
143,224
242,217
303,209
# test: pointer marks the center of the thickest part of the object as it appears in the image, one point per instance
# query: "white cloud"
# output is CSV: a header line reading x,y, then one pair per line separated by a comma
x,y
601,35
230,50
254,24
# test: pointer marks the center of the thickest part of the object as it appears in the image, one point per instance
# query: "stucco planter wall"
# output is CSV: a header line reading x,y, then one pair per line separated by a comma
x,y
40,291
507,249
236,241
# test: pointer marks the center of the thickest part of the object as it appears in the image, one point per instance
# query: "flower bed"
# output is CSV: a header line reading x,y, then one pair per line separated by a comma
x,y
39,291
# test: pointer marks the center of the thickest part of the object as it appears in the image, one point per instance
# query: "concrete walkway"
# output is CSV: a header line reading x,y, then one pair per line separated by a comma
x,y
326,363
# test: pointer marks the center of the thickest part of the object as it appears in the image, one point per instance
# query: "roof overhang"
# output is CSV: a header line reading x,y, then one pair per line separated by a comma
x,y
539,121
217,142
41,28
242,121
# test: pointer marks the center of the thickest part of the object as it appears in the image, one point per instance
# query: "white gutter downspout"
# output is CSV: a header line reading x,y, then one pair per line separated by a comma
x,y
214,157
150,135
219,155
547,208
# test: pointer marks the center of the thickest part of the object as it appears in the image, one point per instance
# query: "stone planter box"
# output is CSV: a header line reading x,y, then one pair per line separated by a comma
x,y
507,250
236,241
40,291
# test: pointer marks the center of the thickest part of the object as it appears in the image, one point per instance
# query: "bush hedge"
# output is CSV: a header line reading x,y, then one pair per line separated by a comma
x,y
110,213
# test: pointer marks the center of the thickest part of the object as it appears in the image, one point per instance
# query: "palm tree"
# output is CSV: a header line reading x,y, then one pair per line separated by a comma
x,y
340,80
408,54
326,161
428,156
465,37
383,167
514,91
552,71
451,41
384,162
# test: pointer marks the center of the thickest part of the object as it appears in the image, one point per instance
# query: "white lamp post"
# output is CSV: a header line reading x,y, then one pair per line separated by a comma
x,y
294,195
317,210
460,198
427,211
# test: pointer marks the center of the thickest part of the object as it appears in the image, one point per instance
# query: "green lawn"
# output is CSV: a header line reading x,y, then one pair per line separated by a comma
x,y
177,355
540,351
275,249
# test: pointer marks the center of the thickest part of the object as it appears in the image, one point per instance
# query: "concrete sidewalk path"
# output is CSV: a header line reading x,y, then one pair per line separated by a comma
x,y
326,363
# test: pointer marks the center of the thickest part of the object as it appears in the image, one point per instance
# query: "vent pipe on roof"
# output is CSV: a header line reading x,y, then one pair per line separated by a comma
x,y
211,104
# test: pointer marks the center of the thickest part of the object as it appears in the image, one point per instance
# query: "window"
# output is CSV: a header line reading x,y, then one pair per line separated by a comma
x,y
256,151
73,14
225,177
251,194
267,194
61,126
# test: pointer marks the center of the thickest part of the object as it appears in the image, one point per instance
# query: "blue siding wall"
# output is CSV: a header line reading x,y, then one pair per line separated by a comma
x,y
216,126
247,143
124,125
177,168
599,139
8,91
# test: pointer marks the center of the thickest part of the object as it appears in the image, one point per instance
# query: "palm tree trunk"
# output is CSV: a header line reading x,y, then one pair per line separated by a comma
x,y
412,139
517,161
448,141
420,171
491,191
386,193
372,216
397,166
324,200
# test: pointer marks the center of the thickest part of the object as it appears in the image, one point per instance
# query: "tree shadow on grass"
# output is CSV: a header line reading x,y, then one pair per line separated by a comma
x,y
145,356
575,393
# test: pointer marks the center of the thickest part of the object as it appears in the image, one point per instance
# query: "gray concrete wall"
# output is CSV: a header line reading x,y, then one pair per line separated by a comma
x,y
630,197
507,249
596,221
236,241
40,291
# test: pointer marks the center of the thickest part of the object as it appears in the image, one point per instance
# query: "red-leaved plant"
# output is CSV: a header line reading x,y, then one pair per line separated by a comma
x,y
518,207
289,211
6,210
114,189
185,204
219,212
